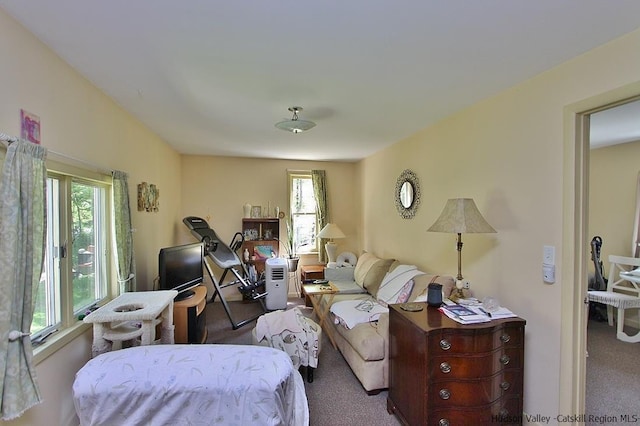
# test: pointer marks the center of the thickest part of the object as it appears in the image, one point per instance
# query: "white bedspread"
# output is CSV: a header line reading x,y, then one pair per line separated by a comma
x,y
191,385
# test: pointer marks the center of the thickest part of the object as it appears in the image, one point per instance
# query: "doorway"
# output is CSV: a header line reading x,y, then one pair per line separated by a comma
x,y
614,136
576,239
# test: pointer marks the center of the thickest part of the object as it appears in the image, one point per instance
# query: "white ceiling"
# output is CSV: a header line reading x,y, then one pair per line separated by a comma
x,y
213,76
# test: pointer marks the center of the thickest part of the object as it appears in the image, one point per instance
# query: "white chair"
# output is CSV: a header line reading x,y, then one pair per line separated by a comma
x,y
623,292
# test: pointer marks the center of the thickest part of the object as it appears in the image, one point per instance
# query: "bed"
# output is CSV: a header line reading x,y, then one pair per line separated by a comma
x,y
191,385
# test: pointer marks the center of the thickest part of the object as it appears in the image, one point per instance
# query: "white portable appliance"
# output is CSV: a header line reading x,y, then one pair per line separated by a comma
x,y
277,283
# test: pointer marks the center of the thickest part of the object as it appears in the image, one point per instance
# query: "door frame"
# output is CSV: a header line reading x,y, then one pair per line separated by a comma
x,y
576,119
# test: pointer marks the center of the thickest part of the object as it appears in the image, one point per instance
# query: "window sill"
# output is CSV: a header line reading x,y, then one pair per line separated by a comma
x,y
57,341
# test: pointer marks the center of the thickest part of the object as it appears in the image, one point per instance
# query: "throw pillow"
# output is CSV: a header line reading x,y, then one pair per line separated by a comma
x,y
405,292
375,275
397,282
362,267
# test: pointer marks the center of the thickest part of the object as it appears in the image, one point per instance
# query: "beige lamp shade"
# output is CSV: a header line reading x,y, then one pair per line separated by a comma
x,y
461,216
331,231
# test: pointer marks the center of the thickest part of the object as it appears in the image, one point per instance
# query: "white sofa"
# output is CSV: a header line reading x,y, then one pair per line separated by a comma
x,y
365,347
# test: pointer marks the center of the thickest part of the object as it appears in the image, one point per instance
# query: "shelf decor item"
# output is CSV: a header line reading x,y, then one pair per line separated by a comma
x,y
256,212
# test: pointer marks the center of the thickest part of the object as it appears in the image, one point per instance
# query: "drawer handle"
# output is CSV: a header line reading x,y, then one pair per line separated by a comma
x,y
505,338
445,367
505,386
445,394
445,345
443,422
504,359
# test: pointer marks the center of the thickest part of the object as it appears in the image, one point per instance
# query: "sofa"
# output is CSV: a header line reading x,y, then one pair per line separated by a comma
x,y
365,346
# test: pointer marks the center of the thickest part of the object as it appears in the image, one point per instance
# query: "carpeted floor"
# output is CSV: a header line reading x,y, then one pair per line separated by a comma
x,y
613,372
335,397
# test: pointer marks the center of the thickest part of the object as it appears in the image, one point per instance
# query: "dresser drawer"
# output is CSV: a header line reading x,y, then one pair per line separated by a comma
x,y
456,366
504,411
476,392
475,340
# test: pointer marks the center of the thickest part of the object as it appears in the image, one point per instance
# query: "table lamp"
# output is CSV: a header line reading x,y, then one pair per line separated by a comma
x,y
460,215
331,231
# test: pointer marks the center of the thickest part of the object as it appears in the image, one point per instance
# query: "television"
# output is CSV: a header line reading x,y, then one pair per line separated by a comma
x,y
180,268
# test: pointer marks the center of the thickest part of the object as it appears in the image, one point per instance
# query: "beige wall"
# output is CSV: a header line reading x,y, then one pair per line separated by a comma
x,y
507,153
612,198
216,188
79,121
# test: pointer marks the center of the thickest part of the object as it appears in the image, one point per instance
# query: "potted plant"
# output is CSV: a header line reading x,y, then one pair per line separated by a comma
x,y
290,247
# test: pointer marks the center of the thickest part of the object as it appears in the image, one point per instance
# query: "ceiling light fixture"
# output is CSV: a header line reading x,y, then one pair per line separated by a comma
x,y
295,125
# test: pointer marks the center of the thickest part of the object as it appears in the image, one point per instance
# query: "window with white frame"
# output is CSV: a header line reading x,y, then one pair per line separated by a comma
x,y
302,203
75,269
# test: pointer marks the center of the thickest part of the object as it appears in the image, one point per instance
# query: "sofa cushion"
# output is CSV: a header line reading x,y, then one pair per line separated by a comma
x,y
366,339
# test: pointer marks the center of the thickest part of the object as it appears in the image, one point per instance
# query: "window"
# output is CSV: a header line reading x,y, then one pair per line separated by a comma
x,y
76,268
303,212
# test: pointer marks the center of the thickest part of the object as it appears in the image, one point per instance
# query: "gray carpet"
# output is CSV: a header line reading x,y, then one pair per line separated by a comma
x,y
335,397
613,372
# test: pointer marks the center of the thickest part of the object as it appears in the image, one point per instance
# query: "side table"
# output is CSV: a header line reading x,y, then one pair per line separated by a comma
x,y
117,320
309,273
316,292
189,317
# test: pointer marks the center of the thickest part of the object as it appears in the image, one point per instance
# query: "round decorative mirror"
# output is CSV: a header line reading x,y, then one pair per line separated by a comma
x,y
407,195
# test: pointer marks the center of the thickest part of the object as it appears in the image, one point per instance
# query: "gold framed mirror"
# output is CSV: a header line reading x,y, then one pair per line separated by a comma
x,y
407,194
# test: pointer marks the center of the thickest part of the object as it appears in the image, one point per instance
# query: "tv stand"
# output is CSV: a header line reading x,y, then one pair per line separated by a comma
x,y
189,317
183,295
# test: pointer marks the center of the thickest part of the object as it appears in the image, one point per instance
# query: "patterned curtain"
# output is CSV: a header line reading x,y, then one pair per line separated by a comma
x,y
22,248
123,234
318,177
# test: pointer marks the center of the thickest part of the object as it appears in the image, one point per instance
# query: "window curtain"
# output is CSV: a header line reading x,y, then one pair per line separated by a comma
x,y
123,234
22,248
318,177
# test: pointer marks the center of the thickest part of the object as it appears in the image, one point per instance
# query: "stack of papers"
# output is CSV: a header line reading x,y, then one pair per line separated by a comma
x,y
464,314
474,314
501,313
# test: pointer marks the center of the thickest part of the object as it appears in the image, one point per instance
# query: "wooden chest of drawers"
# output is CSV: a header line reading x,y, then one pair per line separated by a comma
x,y
445,373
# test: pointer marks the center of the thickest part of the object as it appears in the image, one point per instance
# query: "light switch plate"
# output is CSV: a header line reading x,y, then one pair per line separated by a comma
x,y
549,255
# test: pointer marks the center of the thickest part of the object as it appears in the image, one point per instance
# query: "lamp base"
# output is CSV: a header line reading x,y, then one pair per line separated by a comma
x,y
332,250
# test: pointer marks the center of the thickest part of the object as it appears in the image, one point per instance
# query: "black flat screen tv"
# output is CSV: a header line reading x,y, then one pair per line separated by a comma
x,y
180,268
